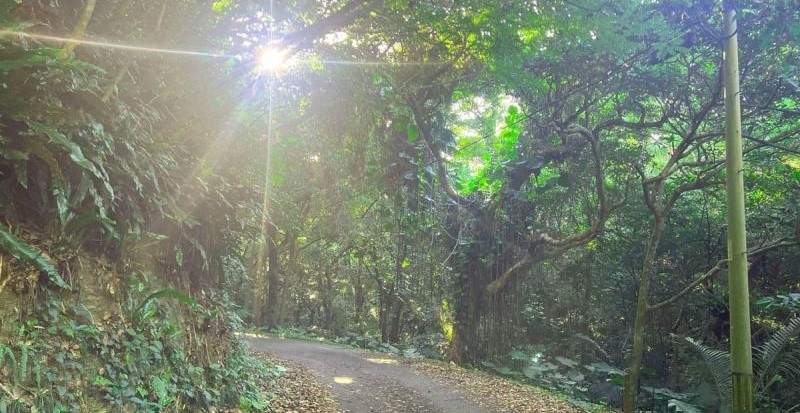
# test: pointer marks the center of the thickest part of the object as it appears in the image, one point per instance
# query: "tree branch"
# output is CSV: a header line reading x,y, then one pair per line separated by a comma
x,y
700,183
560,246
522,265
441,171
690,137
721,265
633,125
783,242
774,145
343,17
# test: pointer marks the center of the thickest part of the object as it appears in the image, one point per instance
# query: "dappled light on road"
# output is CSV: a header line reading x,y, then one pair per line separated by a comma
x,y
382,361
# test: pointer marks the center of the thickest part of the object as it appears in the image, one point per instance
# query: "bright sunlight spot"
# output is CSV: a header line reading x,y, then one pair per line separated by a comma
x,y
382,361
272,59
343,380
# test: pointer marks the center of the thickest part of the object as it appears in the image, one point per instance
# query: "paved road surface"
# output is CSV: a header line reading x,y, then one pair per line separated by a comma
x,y
367,382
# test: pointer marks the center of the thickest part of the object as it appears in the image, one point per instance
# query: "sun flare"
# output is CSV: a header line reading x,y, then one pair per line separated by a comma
x,y
272,59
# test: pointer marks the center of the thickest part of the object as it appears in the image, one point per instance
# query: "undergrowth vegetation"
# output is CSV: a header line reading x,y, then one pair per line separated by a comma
x,y
86,347
117,245
63,359
533,188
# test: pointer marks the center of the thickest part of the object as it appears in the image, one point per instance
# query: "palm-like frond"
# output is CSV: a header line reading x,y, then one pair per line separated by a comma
x,y
789,366
773,358
718,363
765,355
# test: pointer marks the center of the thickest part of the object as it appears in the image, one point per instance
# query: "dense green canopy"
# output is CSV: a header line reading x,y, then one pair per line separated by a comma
x,y
506,184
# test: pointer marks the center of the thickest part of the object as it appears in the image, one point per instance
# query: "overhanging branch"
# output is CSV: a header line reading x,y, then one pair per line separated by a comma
x,y
721,265
341,18
427,135
554,246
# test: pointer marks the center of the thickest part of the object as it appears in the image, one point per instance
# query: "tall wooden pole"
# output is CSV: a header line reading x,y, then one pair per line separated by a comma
x,y
739,296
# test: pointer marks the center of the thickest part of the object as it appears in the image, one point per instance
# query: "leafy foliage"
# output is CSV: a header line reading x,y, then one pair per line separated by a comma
x,y
595,382
718,364
146,366
146,309
773,361
417,153
776,359
97,185
22,251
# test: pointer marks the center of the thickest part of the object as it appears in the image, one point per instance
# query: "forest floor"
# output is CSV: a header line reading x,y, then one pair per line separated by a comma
x,y
322,378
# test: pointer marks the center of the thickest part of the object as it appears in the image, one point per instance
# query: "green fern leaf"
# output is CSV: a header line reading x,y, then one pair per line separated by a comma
x,y
167,293
789,365
46,57
38,58
5,352
718,363
59,182
22,251
74,151
765,355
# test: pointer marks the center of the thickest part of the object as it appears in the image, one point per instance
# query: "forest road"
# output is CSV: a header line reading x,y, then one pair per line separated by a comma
x,y
366,382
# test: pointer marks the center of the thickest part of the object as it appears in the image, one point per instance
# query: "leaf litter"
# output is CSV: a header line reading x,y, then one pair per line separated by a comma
x,y
298,390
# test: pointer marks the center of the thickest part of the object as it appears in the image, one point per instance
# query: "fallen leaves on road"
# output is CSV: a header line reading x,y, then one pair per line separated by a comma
x,y
298,391
494,392
395,398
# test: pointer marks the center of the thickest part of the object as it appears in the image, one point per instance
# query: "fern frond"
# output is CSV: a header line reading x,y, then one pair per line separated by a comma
x,y
718,363
24,252
764,356
788,366
6,352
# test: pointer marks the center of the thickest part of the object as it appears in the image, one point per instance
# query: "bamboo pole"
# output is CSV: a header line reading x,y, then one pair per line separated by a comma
x,y
739,296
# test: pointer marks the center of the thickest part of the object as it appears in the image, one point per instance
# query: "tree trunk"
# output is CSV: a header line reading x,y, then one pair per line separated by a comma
x,y
471,292
301,300
327,300
382,315
466,344
274,277
358,296
358,304
460,345
289,270
631,387
739,297
80,28
258,293
393,334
